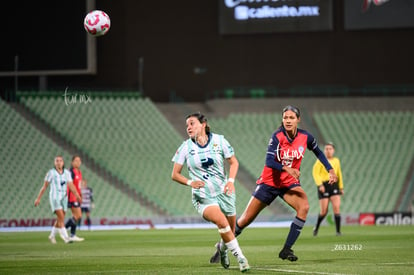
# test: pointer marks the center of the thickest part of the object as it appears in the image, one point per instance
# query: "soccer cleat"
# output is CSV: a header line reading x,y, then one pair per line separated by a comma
x,y
67,240
287,253
244,265
338,234
315,232
215,259
76,239
52,239
224,257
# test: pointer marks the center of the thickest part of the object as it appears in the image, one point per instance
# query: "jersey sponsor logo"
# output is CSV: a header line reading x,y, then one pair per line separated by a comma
x,y
207,162
286,157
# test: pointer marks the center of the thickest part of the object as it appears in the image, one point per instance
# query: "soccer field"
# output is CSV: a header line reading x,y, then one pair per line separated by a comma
x,y
361,250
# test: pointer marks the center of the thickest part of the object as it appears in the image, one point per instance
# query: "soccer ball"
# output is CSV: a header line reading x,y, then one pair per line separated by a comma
x,y
97,23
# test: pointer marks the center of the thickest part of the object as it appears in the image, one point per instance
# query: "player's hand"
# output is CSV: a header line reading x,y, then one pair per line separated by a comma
x,y
79,199
37,202
292,171
332,177
229,188
322,188
197,184
342,192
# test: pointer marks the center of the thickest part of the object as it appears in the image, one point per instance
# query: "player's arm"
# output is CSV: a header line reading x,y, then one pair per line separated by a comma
x,y
72,188
178,177
271,159
313,146
41,192
340,182
91,194
317,173
234,167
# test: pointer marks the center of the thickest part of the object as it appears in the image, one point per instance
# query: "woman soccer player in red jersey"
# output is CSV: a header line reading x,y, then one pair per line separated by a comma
x,y
73,204
280,177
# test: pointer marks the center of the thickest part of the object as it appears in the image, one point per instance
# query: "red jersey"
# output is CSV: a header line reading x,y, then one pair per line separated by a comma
x,y
283,151
77,179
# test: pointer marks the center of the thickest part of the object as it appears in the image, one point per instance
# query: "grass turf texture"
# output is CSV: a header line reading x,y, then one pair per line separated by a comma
x,y
383,250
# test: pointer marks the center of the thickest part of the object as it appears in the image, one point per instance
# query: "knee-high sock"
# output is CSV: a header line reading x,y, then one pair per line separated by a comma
x,y
318,223
238,230
295,229
234,247
338,222
53,231
69,223
72,224
73,228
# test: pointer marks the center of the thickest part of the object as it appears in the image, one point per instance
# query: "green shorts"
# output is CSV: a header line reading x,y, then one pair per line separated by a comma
x,y
57,204
226,203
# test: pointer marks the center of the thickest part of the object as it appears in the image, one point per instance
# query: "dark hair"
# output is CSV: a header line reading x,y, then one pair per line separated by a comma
x,y
293,109
290,108
200,118
330,143
75,156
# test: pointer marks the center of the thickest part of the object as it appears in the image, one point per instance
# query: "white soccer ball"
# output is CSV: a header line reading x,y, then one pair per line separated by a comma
x,y
97,23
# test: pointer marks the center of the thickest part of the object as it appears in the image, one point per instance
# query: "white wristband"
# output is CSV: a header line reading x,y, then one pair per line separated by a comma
x,y
231,180
189,182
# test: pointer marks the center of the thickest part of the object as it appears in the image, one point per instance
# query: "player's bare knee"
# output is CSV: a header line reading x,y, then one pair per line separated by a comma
x,y
303,209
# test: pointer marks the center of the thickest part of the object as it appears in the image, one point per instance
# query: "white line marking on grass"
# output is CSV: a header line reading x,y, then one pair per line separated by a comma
x,y
406,263
297,271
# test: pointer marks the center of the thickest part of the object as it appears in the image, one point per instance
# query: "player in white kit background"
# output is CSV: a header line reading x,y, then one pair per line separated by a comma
x,y
59,179
213,194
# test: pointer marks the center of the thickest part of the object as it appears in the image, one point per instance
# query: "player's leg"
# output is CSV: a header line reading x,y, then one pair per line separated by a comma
x,y
60,225
54,204
214,214
253,208
323,205
221,249
227,204
336,204
88,219
71,221
261,197
76,215
297,199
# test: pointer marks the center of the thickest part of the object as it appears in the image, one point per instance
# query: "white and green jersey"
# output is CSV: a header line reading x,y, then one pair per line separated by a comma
x,y
58,183
206,163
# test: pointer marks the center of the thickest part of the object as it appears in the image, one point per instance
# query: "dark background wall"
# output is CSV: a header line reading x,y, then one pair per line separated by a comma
x,y
175,37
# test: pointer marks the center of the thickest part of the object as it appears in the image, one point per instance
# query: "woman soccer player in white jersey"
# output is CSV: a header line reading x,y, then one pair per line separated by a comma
x,y
59,180
212,192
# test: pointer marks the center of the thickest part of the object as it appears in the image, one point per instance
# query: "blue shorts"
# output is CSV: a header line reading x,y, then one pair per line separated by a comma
x,y
267,194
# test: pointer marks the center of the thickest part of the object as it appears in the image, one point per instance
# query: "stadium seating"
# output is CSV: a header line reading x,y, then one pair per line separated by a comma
x,y
26,155
131,139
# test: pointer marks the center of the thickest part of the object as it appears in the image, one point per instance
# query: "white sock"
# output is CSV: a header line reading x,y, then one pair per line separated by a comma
x,y
53,232
235,249
63,233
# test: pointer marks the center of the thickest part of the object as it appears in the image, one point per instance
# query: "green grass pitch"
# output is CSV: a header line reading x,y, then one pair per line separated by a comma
x,y
361,250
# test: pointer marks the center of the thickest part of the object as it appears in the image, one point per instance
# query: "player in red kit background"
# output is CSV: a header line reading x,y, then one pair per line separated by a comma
x,y
73,204
280,177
